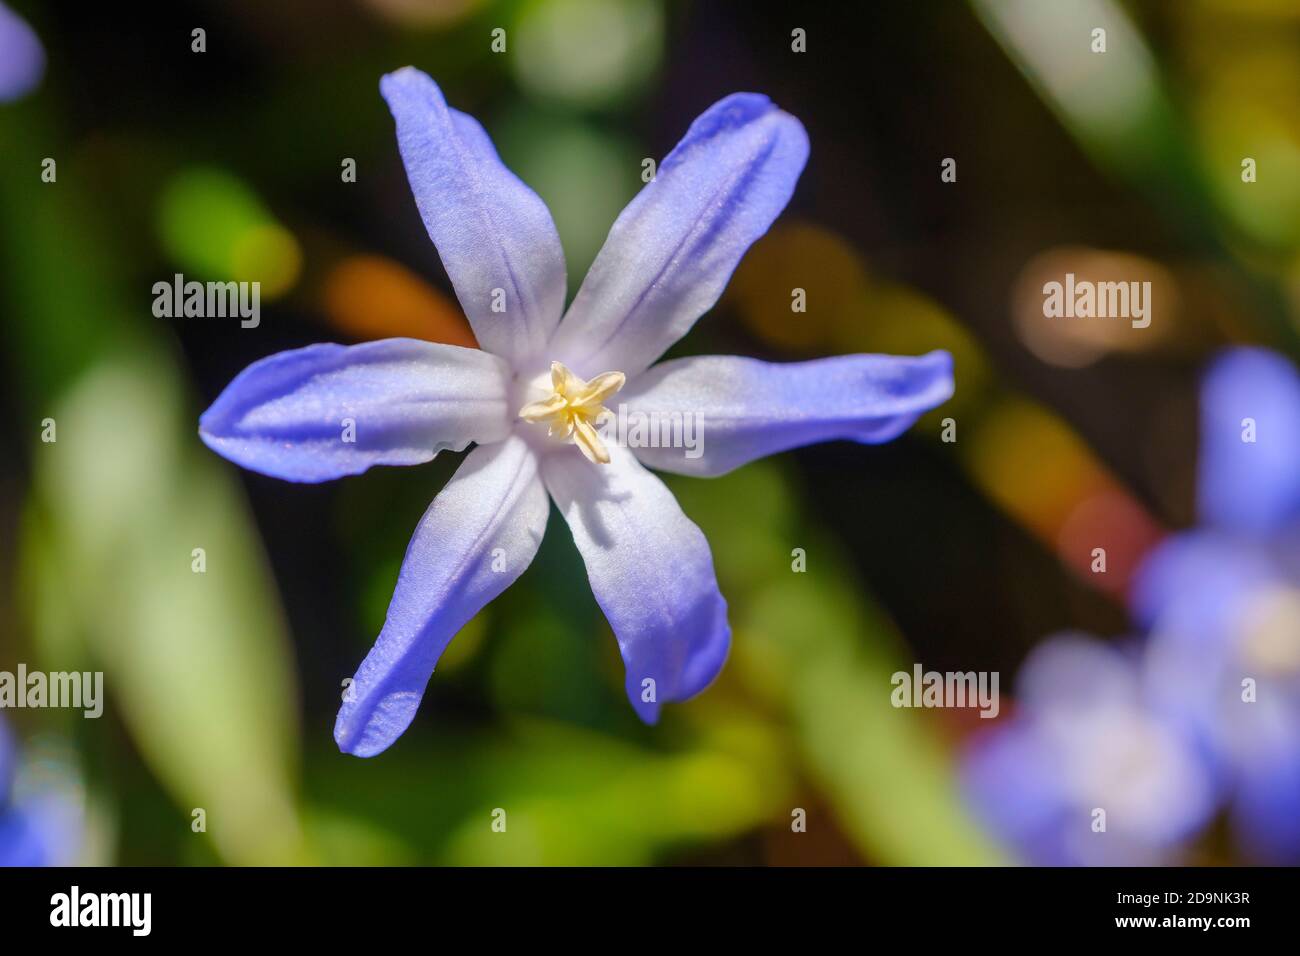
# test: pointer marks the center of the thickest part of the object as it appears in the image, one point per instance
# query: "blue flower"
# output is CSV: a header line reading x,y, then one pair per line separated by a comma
x,y
39,831
19,845
1207,710
1222,601
1085,773
22,59
534,397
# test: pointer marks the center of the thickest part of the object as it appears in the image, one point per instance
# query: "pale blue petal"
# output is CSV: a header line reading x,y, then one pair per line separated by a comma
x,y
1266,811
1191,594
326,411
1011,779
22,59
1202,576
1199,594
477,537
1071,671
1081,739
20,842
45,829
743,409
1251,486
495,236
673,249
651,572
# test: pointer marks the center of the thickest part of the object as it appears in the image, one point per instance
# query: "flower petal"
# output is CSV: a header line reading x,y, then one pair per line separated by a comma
x,y
20,841
481,532
1081,739
1264,809
22,58
743,409
494,235
651,571
288,415
1012,780
673,249
1195,583
1250,485
1072,672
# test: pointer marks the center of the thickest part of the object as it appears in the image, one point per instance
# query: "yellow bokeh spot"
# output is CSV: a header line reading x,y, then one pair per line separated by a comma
x,y
1029,462
269,253
799,265
215,228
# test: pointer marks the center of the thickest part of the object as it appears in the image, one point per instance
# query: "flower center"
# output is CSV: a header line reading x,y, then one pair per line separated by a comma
x,y
573,407
1271,634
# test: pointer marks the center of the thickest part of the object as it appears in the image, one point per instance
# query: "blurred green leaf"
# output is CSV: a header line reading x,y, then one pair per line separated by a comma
x,y
196,663
814,645
569,796
1116,106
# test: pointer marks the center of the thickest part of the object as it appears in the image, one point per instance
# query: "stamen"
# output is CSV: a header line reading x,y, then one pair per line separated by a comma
x,y
573,408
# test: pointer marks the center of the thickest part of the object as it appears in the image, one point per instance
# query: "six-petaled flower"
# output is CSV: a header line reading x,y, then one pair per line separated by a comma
x,y
530,396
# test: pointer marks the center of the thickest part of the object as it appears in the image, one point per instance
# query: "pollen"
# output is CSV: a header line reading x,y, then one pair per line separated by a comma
x,y
573,408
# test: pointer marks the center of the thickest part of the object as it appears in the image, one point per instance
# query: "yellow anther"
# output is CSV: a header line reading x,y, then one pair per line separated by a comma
x,y
573,408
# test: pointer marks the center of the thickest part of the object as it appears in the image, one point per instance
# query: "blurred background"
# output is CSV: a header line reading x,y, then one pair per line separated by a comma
x,y
222,687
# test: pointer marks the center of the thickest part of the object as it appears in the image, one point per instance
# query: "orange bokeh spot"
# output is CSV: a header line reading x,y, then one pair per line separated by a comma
x,y
1108,525
1032,464
799,256
370,297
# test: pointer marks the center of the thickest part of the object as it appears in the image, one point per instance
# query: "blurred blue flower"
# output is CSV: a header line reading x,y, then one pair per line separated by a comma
x,y
1222,602
22,59
42,830
1084,773
538,388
